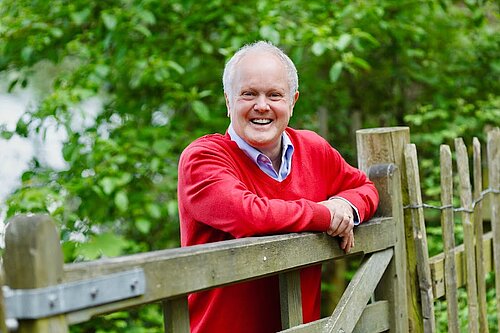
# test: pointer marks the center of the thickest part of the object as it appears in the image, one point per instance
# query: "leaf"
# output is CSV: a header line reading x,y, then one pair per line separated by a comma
x,y
335,71
153,210
121,201
106,244
26,53
175,66
147,17
108,185
109,20
80,17
201,110
161,147
56,32
343,41
318,48
143,225
269,33
143,30
6,134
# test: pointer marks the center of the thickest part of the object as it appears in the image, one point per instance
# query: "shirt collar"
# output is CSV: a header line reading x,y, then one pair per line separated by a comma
x,y
253,153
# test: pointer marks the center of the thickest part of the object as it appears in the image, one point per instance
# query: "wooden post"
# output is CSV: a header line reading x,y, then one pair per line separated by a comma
x,y
176,315
420,239
290,299
33,259
494,181
478,231
3,324
392,286
385,146
447,225
470,256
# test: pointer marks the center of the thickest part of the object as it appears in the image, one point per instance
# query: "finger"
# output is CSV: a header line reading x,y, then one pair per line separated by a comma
x,y
335,224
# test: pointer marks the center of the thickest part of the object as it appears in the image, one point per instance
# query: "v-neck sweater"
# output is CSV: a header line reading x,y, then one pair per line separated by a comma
x,y
224,195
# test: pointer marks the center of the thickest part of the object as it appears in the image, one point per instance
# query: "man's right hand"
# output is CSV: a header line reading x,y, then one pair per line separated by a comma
x,y
341,223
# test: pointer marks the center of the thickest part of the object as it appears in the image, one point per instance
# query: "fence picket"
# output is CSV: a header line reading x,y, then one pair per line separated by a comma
x,y
478,231
420,238
176,315
290,299
494,181
447,225
466,202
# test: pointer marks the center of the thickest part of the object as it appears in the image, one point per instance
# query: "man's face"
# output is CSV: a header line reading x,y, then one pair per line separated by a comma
x,y
261,105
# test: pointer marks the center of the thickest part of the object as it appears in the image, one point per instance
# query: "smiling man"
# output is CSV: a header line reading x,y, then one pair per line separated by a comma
x,y
261,178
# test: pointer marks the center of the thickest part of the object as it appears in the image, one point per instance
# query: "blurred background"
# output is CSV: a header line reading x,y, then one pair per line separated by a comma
x,y
99,98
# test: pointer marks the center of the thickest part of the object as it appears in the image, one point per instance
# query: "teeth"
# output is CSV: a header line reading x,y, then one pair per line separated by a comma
x,y
261,121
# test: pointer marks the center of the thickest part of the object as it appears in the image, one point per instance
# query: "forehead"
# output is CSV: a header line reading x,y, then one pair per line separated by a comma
x,y
260,67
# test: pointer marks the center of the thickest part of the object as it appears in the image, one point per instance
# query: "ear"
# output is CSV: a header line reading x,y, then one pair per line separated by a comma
x,y
295,98
227,105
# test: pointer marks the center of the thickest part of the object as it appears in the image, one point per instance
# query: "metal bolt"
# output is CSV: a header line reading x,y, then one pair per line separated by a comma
x,y
52,300
93,293
265,258
134,284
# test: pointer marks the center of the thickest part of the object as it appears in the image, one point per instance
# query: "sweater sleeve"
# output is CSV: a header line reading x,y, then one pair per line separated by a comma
x,y
352,185
211,192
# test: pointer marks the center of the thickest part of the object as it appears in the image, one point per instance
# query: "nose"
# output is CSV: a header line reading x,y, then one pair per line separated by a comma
x,y
261,104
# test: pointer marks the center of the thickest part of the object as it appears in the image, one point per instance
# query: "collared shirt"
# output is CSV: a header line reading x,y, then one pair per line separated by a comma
x,y
264,162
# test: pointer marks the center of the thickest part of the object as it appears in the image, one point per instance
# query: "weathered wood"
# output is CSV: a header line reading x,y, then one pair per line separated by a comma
x,y
478,232
33,259
437,265
447,226
420,238
392,286
226,262
375,319
358,292
470,257
290,299
176,315
3,318
386,145
493,149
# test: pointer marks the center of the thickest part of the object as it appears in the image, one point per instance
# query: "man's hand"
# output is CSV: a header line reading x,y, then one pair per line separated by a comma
x,y
341,223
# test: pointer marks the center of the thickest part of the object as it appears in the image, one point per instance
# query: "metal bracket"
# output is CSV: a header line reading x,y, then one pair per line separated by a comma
x,y
67,297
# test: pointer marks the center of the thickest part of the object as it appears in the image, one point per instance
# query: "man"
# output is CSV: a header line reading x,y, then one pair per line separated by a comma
x,y
260,178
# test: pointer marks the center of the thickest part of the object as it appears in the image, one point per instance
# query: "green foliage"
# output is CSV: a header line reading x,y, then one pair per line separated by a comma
x,y
155,67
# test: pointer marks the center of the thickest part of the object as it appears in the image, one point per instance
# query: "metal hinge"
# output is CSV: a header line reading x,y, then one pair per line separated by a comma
x,y
67,297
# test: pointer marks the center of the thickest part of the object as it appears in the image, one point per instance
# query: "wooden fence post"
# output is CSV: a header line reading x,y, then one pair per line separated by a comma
x,y
420,239
176,315
478,232
33,259
470,254
494,181
448,227
385,146
3,323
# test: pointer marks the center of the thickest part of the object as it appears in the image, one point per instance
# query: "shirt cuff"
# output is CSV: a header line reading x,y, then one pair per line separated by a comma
x,y
354,209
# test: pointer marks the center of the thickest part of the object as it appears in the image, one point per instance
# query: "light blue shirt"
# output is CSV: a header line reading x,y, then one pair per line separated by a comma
x,y
264,162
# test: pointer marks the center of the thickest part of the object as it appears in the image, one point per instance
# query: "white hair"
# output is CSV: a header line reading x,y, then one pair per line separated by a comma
x,y
264,46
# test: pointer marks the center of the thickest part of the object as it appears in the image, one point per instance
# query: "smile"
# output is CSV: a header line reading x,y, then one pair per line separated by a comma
x,y
261,121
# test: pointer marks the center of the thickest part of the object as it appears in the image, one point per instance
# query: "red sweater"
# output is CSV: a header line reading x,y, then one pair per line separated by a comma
x,y
224,195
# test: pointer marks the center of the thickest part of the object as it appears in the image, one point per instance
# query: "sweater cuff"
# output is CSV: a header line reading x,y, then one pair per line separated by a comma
x,y
321,218
354,209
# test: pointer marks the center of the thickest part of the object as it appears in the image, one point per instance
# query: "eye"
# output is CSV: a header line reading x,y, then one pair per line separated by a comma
x,y
275,96
247,94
